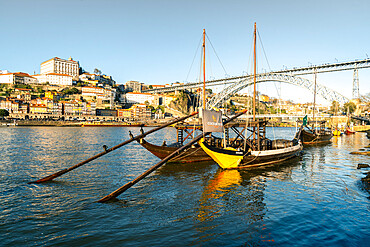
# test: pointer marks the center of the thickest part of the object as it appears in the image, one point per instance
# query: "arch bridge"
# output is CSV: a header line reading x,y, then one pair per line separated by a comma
x,y
321,90
290,76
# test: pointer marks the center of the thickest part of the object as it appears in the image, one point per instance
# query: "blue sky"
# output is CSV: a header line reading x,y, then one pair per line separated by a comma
x,y
155,41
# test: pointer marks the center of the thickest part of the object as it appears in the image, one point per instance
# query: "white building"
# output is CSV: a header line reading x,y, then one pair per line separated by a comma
x,y
92,92
141,98
17,78
60,66
98,92
97,79
133,86
55,79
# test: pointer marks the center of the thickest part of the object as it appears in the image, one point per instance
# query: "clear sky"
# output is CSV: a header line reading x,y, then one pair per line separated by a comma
x,y
155,41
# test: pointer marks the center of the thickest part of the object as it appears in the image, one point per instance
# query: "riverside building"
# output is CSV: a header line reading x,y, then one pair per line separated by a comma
x,y
17,78
60,66
55,79
133,86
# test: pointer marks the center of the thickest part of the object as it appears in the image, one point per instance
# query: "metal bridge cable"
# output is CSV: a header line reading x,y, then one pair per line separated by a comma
x,y
209,63
216,54
191,66
268,64
250,59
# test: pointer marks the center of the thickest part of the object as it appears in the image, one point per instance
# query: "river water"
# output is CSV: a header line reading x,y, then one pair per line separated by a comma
x,y
315,200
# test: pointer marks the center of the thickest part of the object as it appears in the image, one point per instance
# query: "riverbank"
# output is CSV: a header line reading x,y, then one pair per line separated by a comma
x,y
149,123
46,123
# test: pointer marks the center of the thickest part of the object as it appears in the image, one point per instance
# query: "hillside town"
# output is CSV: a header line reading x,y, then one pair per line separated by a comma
x,y
63,90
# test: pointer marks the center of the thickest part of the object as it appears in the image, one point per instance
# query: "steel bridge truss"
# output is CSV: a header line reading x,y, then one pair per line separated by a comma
x,y
324,68
321,90
287,76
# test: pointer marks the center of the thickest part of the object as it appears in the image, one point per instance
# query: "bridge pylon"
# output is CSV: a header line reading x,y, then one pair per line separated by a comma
x,y
355,88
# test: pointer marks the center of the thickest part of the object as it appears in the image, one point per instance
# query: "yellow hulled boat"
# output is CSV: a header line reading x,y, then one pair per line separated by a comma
x,y
337,132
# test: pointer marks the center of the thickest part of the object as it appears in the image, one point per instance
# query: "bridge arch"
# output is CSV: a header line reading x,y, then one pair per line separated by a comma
x,y
321,90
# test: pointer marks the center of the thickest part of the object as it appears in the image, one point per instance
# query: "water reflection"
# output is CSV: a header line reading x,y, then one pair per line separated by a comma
x,y
306,201
243,193
221,184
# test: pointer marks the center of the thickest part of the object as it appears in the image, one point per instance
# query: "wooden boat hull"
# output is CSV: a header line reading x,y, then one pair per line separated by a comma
x,y
349,132
234,159
193,154
311,138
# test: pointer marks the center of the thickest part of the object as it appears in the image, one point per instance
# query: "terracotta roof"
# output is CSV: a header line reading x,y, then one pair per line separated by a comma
x,y
38,105
140,93
18,74
93,87
59,74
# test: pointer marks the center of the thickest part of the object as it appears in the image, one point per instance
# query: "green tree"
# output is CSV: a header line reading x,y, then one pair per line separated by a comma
x,y
349,107
40,90
71,91
22,86
8,91
97,71
161,107
334,108
4,113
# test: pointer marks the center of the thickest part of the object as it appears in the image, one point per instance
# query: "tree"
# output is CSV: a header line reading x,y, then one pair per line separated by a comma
x,y
71,91
40,90
97,71
349,107
161,107
4,113
334,108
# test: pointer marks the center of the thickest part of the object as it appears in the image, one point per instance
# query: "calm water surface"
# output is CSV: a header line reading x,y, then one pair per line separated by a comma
x,y
315,200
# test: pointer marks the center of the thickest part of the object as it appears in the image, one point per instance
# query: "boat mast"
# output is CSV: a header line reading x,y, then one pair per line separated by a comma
x,y
204,69
254,77
314,101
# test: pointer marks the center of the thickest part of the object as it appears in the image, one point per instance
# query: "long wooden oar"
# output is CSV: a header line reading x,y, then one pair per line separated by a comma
x,y
122,189
108,150
156,166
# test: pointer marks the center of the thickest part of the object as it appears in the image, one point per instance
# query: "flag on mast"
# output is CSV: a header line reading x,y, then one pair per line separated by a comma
x,y
212,121
305,121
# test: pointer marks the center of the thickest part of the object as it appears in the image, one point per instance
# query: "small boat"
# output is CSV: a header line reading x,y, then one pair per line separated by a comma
x,y
104,124
252,151
348,131
184,132
337,132
10,124
193,154
316,135
258,152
